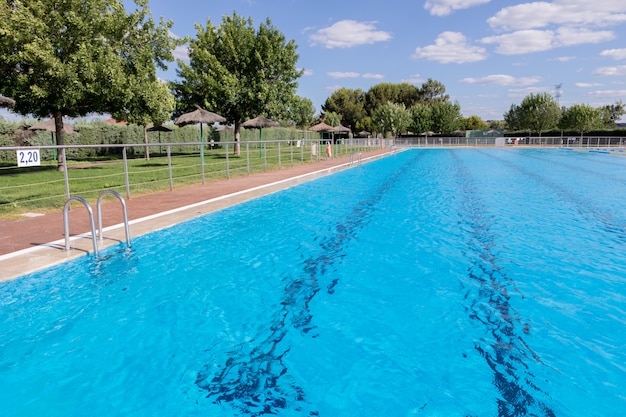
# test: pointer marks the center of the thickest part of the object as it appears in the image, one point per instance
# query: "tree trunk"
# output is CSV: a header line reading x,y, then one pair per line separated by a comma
x,y
236,148
58,127
145,140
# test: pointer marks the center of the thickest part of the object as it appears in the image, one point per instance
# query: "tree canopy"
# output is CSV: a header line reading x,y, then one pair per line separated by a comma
x,y
75,57
537,112
238,71
349,103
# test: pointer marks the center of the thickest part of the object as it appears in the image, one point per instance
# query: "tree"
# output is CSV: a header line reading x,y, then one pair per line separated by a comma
x,y
421,118
332,118
238,71
301,112
446,117
392,118
383,93
349,103
152,103
474,122
74,57
539,112
512,118
611,113
581,118
433,92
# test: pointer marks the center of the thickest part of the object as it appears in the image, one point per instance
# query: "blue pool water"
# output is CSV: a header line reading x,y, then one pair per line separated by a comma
x,y
431,283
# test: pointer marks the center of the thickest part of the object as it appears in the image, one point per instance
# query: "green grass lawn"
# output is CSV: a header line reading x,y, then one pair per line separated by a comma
x,y
42,189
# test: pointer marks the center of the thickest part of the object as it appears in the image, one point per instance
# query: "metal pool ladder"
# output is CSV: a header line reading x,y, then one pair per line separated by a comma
x,y
84,202
358,158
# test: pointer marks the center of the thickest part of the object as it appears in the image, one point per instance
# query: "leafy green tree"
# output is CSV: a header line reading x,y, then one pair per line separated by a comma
x,y
332,118
393,118
383,93
513,118
433,92
301,112
611,113
238,71
349,103
581,118
474,122
446,116
74,57
497,124
153,103
365,124
421,118
539,112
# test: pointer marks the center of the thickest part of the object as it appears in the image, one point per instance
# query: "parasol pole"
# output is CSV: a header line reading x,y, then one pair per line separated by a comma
x,y
261,140
201,153
54,150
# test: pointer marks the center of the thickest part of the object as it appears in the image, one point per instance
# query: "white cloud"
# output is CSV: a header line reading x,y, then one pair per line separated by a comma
x,y
612,94
414,79
523,92
565,58
445,7
451,47
349,33
331,88
568,36
540,14
522,42
306,72
374,76
337,74
501,79
611,71
614,53
587,85
532,40
181,52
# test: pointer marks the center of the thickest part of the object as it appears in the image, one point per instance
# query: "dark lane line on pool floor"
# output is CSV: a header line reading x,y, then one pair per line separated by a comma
x,y
605,219
491,306
254,380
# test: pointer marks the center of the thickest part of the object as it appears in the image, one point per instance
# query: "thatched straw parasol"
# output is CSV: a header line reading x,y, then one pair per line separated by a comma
x,y
340,129
49,126
321,127
6,102
260,122
159,129
199,115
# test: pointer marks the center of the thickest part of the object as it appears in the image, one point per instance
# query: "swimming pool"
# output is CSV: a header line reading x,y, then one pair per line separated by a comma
x,y
466,282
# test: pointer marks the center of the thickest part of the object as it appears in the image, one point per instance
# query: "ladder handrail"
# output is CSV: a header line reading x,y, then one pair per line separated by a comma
x,y
66,223
124,211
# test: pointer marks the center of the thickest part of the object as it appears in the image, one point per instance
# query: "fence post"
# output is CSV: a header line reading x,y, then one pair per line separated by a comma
x,y
279,164
65,176
248,156
202,159
126,172
228,162
169,166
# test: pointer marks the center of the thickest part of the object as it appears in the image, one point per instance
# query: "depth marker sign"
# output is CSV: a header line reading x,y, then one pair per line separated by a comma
x,y
28,158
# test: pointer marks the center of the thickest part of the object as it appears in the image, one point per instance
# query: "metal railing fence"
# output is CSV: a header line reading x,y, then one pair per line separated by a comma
x,y
43,187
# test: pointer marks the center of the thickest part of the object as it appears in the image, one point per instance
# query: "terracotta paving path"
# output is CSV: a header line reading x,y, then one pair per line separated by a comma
x,y
17,235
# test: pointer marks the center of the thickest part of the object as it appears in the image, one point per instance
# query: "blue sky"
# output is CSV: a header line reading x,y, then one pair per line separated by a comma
x,y
489,54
